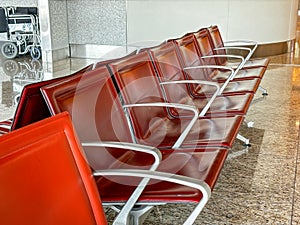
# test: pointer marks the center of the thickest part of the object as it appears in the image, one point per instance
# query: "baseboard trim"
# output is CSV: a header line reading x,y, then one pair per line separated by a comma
x,y
270,49
102,52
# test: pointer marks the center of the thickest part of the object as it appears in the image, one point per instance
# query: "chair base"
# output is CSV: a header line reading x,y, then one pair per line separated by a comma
x,y
137,215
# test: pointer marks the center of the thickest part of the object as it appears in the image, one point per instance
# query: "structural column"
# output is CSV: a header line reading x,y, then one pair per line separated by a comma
x,y
54,30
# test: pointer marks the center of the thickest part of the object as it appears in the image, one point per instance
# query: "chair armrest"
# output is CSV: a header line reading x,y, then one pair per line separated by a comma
x,y
130,146
245,43
141,186
172,105
209,67
230,77
173,178
234,47
240,42
238,57
208,104
241,64
225,56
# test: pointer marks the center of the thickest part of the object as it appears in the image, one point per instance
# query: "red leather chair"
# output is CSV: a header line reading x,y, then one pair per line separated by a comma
x,y
170,70
153,126
220,49
193,65
98,117
212,57
32,106
45,178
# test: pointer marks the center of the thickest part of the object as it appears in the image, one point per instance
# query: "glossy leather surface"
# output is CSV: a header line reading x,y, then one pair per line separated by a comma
x,y
192,46
45,178
76,94
97,115
191,57
153,126
206,48
217,42
32,106
169,68
205,166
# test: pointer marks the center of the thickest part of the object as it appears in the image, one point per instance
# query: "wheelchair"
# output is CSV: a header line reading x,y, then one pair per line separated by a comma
x,y
23,34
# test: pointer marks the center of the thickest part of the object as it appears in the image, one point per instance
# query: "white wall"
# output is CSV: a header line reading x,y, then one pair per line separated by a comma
x,y
262,20
266,21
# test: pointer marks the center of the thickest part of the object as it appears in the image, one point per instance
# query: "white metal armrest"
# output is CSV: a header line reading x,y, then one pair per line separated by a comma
x,y
250,51
133,147
228,56
129,146
238,57
208,104
243,42
240,42
230,77
234,47
209,67
172,105
202,186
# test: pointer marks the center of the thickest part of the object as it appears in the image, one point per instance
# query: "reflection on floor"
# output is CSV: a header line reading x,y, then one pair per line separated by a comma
x,y
258,185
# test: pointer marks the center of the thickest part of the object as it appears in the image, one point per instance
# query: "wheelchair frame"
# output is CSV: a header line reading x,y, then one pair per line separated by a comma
x,y
23,33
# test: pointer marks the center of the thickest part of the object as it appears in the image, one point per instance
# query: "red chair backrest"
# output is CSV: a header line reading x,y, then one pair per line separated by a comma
x,y
93,104
138,83
190,55
217,42
205,46
32,106
96,111
169,68
45,178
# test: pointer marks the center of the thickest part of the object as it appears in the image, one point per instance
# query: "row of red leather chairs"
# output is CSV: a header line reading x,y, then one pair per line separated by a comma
x,y
165,97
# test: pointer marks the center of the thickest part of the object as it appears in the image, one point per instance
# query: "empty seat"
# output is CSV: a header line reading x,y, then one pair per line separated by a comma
x,y
32,106
211,57
98,116
138,84
45,178
193,65
220,48
169,68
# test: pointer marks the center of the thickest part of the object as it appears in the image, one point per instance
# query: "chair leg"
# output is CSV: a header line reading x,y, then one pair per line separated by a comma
x,y
237,154
249,124
243,139
263,90
138,215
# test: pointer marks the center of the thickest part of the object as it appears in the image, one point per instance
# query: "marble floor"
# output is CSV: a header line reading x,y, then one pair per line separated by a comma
x,y
258,185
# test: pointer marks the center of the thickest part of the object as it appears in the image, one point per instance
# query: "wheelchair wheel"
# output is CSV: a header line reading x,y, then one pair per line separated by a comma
x,y
10,67
35,53
9,50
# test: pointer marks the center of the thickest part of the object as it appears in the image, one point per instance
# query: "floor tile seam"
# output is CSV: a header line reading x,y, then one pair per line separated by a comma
x,y
252,195
285,64
295,178
274,129
266,154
